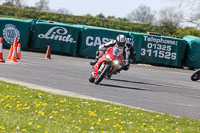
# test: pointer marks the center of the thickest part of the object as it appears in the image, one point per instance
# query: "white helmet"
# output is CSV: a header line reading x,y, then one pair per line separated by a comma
x,y
121,40
129,41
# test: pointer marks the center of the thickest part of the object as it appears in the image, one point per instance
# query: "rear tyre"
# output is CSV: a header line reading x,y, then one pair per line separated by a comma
x,y
195,76
91,78
101,75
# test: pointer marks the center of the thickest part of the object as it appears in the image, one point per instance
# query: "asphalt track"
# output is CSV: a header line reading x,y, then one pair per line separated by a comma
x,y
160,89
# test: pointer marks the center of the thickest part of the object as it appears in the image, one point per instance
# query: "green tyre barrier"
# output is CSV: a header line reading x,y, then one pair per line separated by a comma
x,y
192,59
160,50
93,37
61,37
11,28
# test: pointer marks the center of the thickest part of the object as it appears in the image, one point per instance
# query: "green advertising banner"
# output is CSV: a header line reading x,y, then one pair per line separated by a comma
x,y
192,59
159,49
93,37
11,28
61,37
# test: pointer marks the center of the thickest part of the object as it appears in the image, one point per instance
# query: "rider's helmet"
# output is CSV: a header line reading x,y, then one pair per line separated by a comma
x,y
121,41
129,41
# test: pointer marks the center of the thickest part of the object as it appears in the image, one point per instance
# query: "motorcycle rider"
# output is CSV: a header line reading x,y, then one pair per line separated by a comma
x,y
129,51
122,43
129,55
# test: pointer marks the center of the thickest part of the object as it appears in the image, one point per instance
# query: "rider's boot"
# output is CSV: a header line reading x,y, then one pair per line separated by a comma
x,y
125,68
109,76
118,71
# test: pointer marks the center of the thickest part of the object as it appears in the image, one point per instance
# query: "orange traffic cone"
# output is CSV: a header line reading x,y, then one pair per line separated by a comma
x,y
10,53
48,53
15,42
12,49
1,50
14,54
19,51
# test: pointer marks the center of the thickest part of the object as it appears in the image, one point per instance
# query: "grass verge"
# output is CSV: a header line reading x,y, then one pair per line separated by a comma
x,y
28,110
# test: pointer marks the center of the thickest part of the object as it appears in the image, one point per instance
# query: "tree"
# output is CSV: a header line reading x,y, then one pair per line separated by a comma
x,y
8,3
122,19
188,3
100,15
30,7
195,19
188,31
194,14
111,17
63,11
42,5
142,14
170,20
14,3
88,15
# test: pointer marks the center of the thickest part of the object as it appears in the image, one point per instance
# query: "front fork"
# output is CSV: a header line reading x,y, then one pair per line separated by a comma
x,y
95,73
101,68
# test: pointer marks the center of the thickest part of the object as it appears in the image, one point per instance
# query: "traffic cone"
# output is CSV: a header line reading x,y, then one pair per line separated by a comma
x,y
19,51
48,53
10,53
11,49
14,54
15,42
1,50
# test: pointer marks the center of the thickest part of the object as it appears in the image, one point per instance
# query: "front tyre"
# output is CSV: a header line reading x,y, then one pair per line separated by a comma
x,y
101,75
91,78
195,76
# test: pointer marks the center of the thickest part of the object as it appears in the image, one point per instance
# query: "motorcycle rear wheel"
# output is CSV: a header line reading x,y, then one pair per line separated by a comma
x,y
195,76
101,75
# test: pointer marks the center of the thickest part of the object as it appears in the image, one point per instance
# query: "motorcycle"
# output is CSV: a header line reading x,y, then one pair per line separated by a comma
x,y
106,65
195,76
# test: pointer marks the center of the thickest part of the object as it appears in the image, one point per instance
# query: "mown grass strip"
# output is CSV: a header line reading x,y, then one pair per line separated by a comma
x,y
29,110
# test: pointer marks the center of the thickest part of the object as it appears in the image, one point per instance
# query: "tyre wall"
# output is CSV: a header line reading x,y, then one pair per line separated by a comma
x,y
82,40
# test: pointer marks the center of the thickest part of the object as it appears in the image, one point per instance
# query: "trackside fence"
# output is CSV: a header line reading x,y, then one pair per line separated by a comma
x,y
82,40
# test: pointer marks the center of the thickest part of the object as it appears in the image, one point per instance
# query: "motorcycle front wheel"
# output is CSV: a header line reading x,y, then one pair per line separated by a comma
x,y
102,74
91,78
195,76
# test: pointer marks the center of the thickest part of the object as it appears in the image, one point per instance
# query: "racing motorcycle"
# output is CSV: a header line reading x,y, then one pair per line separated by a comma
x,y
195,76
106,65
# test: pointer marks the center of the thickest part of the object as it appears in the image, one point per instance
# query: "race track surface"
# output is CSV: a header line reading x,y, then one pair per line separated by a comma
x,y
160,89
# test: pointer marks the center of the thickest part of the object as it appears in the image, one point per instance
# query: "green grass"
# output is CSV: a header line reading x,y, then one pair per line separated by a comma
x,y
34,111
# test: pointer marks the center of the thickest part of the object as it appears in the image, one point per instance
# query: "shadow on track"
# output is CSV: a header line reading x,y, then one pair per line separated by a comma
x,y
128,87
125,87
134,82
